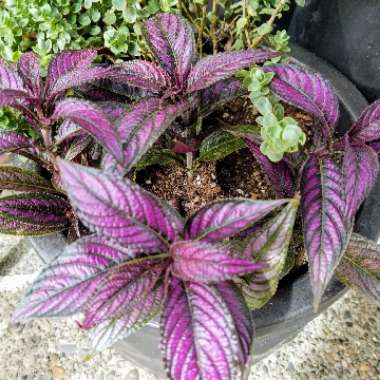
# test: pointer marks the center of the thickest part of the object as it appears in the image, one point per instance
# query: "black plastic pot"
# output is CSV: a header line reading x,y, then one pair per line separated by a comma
x,y
291,308
346,34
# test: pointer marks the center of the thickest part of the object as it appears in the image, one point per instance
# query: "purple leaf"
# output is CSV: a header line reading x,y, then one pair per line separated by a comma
x,y
375,145
10,79
13,141
360,266
13,92
119,208
28,68
141,127
213,68
114,110
307,91
360,169
67,61
77,146
142,74
19,100
171,40
77,78
367,127
204,262
67,130
122,289
326,232
68,283
13,178
221,219
241,316
199,337
279,173
269,246
33,214
133,318
218,94
111,89
92,119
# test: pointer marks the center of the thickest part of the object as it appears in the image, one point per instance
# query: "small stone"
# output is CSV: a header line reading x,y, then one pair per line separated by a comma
x,y
57,373
347,315
364,367
291,368
133,375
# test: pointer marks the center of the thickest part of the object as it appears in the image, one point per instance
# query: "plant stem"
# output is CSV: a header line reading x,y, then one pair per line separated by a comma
x,y
214,19
46,136
245,30
182,7
189,160
201,30
139,260
277,11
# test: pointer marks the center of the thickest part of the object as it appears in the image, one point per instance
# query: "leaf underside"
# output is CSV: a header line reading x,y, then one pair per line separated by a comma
x,y
360,266
269,246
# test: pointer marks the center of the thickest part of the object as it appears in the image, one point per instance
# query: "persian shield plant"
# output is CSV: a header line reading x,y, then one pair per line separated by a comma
x,y
333,177
44,104
140,259
178,84
203,273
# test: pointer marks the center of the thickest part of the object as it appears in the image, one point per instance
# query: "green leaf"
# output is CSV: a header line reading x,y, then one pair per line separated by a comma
x,y
218,145
162,157
245,130
109,18
241,23
263,105
84,20
300,3
269,245
130,14
119,4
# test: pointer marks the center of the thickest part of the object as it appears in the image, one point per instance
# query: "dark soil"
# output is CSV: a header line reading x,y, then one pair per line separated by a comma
x,y
184,189
238,175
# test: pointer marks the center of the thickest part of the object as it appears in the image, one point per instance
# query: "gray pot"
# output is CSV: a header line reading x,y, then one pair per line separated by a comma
x,y
291,308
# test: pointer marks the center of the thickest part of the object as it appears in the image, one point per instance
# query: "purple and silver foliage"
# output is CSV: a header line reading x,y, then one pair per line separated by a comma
x,y
140,256
43,103
333,177
178,83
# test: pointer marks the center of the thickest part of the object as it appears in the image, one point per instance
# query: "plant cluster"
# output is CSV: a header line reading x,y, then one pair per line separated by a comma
x,y
237,24
44,104
280,134
48,27
141,256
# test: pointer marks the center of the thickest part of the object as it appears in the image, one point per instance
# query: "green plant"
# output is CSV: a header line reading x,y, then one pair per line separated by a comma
x,y
280,134
241,24
48,27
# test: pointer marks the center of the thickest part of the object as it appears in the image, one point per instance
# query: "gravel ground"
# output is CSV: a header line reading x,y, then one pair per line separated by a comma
x,y
341,344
